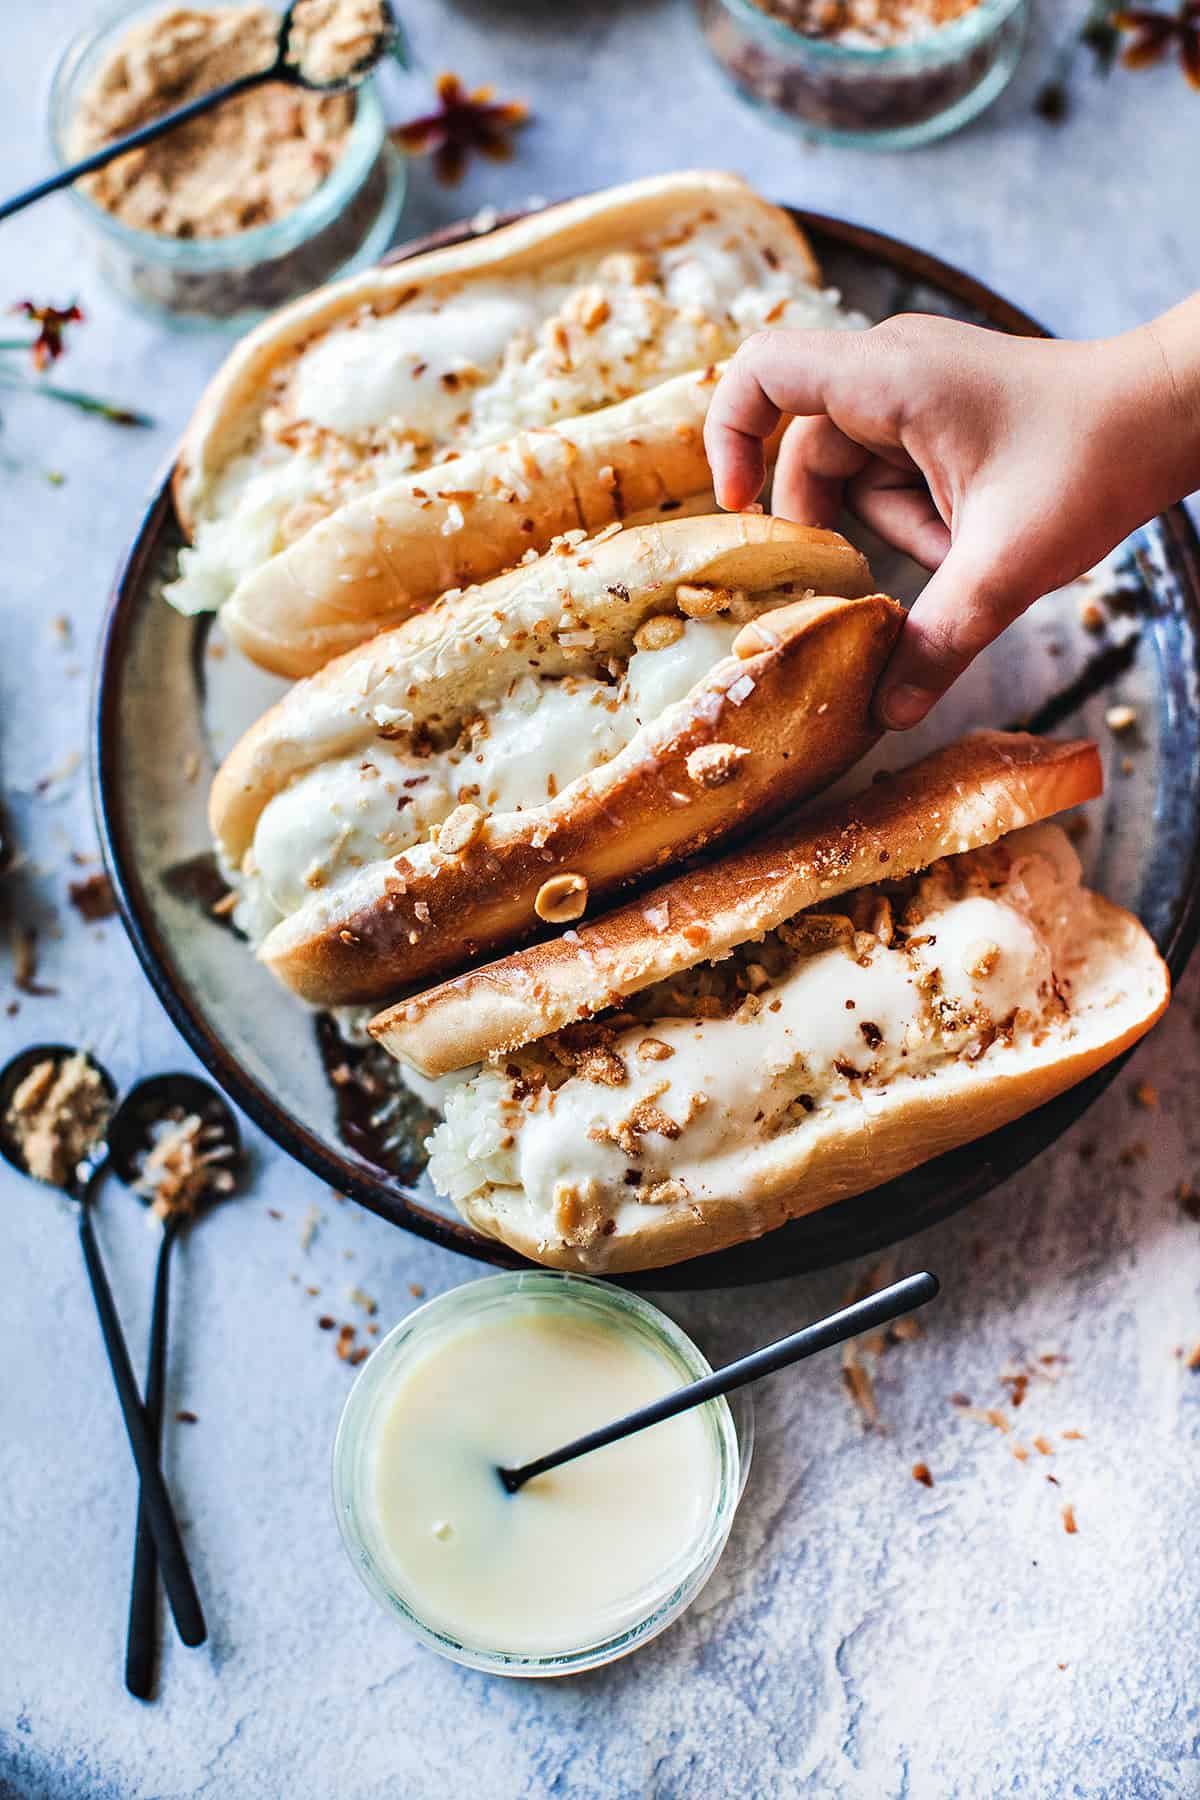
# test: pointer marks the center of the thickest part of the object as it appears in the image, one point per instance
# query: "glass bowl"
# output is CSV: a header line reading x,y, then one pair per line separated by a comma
x,y
888,98
731,1424
345,224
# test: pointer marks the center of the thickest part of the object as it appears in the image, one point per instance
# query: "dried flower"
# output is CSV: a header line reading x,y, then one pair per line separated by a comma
x,y
51,321
463,123
1154,32
46,348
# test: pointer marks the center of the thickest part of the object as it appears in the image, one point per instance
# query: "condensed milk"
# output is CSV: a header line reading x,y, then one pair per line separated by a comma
x,y
583,1563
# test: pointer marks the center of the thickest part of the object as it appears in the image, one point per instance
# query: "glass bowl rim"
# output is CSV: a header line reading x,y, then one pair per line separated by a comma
x,y
733,1424
944,41
367,138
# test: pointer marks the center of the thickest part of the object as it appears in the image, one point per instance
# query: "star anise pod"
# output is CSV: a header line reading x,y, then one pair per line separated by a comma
x,y
463,123
51,321
1154,32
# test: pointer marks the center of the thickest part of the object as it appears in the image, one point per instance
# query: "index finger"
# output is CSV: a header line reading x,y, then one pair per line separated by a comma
x,y
774,372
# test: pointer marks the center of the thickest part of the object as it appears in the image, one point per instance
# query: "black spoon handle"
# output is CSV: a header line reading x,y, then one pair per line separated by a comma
x,y
145,134
864,1315
177,1577
141,1645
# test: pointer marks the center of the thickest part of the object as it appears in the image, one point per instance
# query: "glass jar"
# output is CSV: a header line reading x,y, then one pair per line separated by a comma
x,y
890,97
730,1423
345,224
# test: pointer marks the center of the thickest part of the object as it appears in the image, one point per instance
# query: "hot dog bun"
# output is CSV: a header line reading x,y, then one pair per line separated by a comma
x,y
715,1098
336,476
767,703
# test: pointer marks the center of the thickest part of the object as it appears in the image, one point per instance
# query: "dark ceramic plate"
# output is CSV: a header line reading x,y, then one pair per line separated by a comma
x,y
168,703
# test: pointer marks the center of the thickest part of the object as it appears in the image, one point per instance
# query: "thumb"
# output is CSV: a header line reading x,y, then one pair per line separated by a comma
x,y
966,604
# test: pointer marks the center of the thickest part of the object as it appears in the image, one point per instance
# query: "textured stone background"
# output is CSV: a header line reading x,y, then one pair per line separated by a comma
x,y
864,1636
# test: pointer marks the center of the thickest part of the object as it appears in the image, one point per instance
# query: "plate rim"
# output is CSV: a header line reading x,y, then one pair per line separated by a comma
x,y
341,1171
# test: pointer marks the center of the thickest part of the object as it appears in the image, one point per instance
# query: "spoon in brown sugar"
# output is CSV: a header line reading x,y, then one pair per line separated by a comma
x,y
74,1160
176,1143
288,66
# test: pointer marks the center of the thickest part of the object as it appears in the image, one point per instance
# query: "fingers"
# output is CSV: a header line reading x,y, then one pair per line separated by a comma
x,y
897,505
965,605
815,462
774,372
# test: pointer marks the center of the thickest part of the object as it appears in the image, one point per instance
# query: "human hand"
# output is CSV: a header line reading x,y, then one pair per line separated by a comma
x,y
1007,465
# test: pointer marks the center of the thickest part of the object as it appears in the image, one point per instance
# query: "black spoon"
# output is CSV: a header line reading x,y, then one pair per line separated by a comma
x,y
80,1184
282,69
139,1129
865,1315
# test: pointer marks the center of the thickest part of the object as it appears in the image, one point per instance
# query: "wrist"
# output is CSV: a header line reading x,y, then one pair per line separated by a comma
x,y
1158,413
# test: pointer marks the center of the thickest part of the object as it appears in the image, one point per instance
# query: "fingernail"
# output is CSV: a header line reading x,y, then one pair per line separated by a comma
x,y
905,706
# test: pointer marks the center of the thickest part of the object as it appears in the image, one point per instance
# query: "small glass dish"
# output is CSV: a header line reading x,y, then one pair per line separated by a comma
x,y
231,282
731,1423
891,97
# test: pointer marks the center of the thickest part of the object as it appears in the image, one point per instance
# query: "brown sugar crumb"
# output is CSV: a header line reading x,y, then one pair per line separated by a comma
x,y
645,1117
93,898
587,1050
986,1415
1068,1518
654,1050
711,765
325,1323
920,1472
1145,1095
1043,1446
416,1290
187,1418
24,944
858,1384
664,1193
56,1115
981,959
1020,1452
1073,1437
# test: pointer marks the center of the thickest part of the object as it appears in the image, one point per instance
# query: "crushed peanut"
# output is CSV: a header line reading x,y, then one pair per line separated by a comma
x,y
460,829
659,632
704,602
711,765
561,899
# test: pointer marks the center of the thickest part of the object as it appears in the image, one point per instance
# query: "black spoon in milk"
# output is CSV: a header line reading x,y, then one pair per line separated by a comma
x,y
286,67
176,1143
79,1182
864,1315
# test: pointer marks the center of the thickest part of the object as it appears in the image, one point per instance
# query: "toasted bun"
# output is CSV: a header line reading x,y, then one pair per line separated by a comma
x,y
377,560
852,1148
956,799
789,709
392,547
